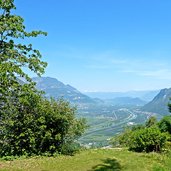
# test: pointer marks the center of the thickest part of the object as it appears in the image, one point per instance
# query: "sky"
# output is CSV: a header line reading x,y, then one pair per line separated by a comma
x,y
103,45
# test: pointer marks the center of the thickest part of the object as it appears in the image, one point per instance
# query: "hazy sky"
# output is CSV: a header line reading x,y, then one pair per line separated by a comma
x,y
103,45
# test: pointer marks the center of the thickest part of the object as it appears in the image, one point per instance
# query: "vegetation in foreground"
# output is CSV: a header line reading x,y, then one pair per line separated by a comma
x,y
29,123
93,160
153,136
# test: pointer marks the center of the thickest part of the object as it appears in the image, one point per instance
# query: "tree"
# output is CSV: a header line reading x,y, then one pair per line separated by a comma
x,y
29,123
14,56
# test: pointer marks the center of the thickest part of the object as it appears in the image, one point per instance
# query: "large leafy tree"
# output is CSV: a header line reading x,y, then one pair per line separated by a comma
x,y
14,56
29,123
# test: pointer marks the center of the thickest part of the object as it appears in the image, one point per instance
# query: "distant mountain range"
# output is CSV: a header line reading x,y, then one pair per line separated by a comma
x,y
160,102
143,95
125,101
56,89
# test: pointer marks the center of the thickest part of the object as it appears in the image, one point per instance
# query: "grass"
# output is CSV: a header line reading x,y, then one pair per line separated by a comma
x,y
92,160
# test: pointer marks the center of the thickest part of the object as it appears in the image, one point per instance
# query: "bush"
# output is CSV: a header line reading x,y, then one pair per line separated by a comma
x,y
122,139
165,124
147,140
37,126
71,148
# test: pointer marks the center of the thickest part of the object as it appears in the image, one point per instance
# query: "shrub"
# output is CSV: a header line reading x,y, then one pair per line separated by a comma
x,y
165,124
122,139
71,148
147,140
38,126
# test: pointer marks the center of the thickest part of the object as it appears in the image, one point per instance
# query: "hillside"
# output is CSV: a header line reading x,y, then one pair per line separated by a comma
x,y
93,160
54,88
160,103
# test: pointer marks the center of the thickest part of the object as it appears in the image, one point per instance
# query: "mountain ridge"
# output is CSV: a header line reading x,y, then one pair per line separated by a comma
x,y
146,95
56,89
159,104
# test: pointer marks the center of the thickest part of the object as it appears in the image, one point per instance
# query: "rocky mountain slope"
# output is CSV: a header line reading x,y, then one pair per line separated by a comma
x,y
56,89
160,102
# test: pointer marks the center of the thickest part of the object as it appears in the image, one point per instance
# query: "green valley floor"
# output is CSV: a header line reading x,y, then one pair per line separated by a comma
x,y
93,160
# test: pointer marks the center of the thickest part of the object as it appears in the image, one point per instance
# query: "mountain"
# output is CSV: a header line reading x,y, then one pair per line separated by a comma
x,y
125,101
143,95
56,89
160,103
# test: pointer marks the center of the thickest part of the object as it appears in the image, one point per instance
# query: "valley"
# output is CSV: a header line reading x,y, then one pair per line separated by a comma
x,y
107,121
94,94
108,113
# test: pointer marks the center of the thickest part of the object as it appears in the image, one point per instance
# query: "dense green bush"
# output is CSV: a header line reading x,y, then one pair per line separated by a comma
x,y
122,139
147,140
71,148
37,125
165,124
149,137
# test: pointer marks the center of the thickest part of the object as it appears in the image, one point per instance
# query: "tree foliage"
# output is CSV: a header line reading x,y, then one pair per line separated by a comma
x,y
143,138
122,139
147,140
165,124
39,126
29,123
169,105
14,56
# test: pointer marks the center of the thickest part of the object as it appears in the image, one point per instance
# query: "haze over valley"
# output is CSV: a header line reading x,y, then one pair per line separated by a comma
x,y
107,113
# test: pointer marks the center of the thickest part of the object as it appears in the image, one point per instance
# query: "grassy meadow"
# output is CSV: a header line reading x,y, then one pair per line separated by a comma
x,y
92,160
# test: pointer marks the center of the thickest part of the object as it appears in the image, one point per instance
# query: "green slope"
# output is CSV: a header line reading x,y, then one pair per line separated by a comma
x,y
93,160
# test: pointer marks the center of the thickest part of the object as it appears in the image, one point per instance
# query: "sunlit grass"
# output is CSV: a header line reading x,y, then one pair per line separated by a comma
x,y
92,160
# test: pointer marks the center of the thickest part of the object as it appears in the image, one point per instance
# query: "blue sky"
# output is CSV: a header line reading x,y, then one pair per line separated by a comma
x,y
103,45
